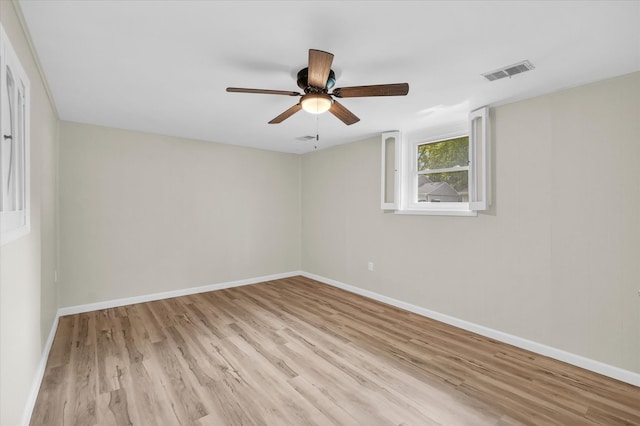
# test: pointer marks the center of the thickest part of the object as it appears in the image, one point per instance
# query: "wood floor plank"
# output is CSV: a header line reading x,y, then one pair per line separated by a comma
x,y
298,352
358,395
61,346
84,384
325,404
52,405
180,384
119,407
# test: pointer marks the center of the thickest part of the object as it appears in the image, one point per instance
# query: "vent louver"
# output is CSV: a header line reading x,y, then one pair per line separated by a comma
x,y
509,71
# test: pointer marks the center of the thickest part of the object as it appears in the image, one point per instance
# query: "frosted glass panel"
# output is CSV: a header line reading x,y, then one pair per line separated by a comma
x,y
389,169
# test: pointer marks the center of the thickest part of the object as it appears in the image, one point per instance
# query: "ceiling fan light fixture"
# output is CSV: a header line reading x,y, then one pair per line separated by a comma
x,y
316,103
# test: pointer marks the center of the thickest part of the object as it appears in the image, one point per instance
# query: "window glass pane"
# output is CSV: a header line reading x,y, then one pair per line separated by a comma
x,y
443,154
446,187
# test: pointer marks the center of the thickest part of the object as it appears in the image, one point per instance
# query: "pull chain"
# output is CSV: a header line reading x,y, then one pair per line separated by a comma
x,y
315,146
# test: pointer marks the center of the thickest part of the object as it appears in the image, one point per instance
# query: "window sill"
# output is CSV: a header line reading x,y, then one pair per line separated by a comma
x,y
416,212
9,236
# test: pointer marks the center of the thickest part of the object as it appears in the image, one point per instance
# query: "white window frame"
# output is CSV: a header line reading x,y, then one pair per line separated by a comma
x,y
412,181
479,160
478,169
391,146
14,223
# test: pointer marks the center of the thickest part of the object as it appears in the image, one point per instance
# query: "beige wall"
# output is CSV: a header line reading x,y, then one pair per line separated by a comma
x,y
555,261
28,295
142,214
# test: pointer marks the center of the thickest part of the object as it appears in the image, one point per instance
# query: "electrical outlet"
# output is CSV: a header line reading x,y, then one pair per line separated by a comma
x,y
370,266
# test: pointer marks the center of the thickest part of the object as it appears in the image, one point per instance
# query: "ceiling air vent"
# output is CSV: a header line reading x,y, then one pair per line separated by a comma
x,y
508,71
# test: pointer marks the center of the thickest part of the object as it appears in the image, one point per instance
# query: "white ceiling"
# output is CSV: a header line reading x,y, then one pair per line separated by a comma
x,y
163,66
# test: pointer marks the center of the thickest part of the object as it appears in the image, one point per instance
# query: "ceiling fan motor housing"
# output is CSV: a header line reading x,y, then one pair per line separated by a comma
x,y
303,81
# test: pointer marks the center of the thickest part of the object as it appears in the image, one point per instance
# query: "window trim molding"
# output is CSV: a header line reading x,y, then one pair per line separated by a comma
x,y
444,212
388,180
9,55
406,173
479,160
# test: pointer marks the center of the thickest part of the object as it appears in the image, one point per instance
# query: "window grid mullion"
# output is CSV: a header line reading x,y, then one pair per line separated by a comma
x,y
447,170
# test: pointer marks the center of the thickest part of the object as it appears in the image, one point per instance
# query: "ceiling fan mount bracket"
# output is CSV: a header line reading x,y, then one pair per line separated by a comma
x,y
303,82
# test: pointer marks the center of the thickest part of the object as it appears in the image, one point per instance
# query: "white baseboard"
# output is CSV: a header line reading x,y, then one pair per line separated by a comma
x,y
577,360
70,310
539,348
37,380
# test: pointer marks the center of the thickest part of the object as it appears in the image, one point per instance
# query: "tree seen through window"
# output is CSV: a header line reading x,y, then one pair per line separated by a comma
x,y
446,161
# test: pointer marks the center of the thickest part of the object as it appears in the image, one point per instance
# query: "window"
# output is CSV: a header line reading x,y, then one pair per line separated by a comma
x,y
439,175
14,144
442,171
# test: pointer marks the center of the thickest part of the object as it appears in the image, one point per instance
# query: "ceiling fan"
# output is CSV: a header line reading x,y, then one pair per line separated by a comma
x,y
316,81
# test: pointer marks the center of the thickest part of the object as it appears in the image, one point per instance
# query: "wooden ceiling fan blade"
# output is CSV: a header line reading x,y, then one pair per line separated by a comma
x,y
397,89
262,91
319,68
288,113
346,116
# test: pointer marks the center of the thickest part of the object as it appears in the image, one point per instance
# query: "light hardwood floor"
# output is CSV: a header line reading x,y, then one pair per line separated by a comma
x,y
298,352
